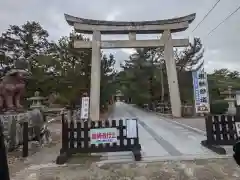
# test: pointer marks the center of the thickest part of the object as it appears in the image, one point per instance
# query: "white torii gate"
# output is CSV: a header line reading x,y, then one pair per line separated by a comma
x,y
165,27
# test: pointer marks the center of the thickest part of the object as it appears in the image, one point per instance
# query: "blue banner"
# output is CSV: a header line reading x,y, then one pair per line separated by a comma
x,y
200,89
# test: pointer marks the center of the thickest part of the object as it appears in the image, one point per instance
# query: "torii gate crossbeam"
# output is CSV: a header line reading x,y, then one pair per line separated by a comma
x,y
164,27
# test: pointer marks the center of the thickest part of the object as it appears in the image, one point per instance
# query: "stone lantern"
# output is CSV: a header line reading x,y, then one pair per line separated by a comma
x,y
231,100
37,101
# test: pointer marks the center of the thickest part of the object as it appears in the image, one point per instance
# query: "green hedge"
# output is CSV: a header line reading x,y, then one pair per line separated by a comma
x,y
219,107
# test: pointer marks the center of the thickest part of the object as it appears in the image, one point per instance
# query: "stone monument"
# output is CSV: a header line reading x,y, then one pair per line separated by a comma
x,y
99,27
12,88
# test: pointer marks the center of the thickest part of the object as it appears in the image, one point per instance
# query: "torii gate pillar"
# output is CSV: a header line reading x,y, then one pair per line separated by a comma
x,y
166,27
95,76
172,75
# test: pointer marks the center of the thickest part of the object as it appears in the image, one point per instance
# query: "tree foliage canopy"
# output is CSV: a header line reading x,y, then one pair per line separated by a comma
x,y
55,66
144,75
58,67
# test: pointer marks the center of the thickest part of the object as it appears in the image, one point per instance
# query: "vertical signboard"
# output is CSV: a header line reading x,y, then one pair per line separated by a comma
x,y
200,88
85,108
131,128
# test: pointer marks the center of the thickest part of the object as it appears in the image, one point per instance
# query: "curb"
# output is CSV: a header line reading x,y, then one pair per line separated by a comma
x,y
170,119
199,131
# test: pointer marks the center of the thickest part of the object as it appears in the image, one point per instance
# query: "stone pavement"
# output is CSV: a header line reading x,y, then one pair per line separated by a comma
x,y
198,123
160,138
193,124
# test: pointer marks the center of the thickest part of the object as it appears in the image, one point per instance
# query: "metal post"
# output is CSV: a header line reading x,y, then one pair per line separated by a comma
x,y
4,171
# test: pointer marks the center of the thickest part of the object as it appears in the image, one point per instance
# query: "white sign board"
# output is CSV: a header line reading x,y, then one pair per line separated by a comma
x,y
85,108
103,135
238,97
237,124
131,128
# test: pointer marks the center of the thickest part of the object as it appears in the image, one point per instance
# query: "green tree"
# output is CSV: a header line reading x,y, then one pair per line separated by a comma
x,y
233,75
108,76
72,68
190,56
221,72
26,43
145,77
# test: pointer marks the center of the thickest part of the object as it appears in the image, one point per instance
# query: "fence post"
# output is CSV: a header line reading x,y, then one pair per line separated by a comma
x,y
63,157
13,127
4,172
212,142
136,142
64,134
25,139
209,128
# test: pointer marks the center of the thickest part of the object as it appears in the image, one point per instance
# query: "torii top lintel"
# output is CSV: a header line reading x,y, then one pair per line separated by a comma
x,y
124,27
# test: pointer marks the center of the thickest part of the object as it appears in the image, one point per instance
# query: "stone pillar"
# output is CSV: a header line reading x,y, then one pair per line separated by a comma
x,y
95,76
172,75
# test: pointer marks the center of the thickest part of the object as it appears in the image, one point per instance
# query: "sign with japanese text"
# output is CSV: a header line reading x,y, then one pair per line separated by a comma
x,y
85,108
103,135
200,88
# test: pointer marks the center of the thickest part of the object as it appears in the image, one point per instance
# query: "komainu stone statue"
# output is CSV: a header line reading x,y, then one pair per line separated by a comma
x,y
12,87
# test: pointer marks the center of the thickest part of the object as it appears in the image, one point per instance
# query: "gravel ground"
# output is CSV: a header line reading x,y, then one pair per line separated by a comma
x,y
218,169
36,153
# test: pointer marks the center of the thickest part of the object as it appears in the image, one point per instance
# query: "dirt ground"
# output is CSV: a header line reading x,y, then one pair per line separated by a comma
x,y
15,160
218,169
37,154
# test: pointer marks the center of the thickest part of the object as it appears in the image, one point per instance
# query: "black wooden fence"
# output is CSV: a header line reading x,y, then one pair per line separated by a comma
x,y
75,139
221,130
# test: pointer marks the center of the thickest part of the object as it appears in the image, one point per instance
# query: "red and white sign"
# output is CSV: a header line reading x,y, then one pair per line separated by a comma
x,y
103,135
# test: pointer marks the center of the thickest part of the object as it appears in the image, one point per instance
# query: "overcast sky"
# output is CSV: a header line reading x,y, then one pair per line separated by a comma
x,y
221,48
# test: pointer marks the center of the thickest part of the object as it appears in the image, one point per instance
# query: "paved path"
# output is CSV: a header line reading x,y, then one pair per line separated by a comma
x,y
160,139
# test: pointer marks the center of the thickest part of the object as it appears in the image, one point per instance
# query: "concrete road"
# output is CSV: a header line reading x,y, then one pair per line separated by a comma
x,y
160,139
